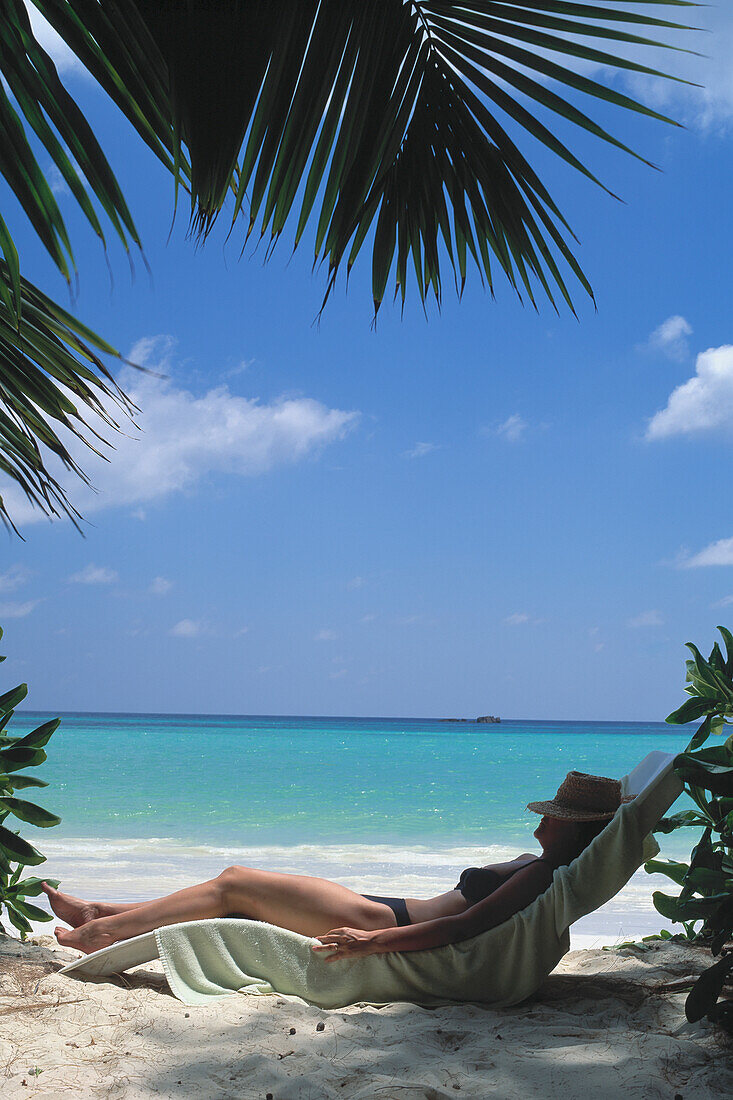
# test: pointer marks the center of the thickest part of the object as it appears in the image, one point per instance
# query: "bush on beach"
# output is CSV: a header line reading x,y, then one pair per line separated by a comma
x,y
16,853
704,905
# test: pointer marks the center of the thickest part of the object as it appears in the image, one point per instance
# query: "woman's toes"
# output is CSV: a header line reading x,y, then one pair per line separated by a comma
x,y
73,910
86,938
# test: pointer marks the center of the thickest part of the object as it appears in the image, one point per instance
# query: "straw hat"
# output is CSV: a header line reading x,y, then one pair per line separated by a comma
x,y
582,797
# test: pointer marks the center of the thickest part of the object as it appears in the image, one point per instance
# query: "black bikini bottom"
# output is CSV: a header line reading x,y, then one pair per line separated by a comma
x,y
397,905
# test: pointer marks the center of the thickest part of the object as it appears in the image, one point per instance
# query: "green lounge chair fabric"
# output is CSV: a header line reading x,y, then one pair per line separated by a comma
x,y
213,958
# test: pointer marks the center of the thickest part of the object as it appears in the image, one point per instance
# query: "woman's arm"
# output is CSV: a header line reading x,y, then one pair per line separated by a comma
x,y
518,892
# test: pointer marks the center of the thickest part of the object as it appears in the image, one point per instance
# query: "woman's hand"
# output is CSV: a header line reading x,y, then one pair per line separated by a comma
x,y
347,943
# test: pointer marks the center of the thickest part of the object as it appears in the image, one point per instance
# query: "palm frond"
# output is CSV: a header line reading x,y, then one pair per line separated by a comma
x,y
386,116
51,376
45,105
51,371
392,121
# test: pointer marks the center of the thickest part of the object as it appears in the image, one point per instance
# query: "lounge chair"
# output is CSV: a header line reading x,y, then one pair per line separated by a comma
x,y
212,958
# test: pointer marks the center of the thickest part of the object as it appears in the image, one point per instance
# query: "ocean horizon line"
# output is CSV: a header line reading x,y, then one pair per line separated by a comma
x,y
45,712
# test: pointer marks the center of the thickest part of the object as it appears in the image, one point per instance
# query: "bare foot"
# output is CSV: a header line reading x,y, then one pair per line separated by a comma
x,y
70,909
86,938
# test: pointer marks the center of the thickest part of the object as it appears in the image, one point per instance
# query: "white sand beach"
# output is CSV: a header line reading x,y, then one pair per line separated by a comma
x,y
604,1024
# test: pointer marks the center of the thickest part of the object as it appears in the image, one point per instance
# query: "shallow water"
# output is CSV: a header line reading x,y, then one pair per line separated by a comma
x,y
151,802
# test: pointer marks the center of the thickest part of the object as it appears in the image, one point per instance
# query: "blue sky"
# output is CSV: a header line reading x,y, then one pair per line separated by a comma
x,y
488,511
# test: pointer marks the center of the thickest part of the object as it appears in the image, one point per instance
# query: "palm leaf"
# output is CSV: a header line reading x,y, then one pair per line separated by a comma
x,y
381,118
51,375
34,88
375,118
51,370
368,120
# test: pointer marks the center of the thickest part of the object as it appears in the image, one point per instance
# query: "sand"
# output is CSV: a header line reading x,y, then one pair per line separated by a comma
x,y
604,1025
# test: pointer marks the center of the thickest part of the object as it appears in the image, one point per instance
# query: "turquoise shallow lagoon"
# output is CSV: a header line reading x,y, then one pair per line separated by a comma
x,y
221,779
150,802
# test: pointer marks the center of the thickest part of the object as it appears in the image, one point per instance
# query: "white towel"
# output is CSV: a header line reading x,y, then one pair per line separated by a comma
x,y
212,958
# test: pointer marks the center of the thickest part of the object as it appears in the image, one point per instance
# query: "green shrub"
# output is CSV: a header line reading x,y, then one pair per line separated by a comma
x,y
705,902
16,852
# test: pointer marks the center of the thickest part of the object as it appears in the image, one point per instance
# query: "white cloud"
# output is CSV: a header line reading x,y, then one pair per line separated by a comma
x,y
420,450
239,368
725,602
703,403
154,352
646,618
356,582
717,553
94,574
513,429
710,106
160,586
186,628
368,618
184,438
517,619
325,636
13,578
671,337
56,181
17,610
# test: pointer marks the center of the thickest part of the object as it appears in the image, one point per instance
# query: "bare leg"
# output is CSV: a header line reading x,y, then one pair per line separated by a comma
x,y
76,911
311,906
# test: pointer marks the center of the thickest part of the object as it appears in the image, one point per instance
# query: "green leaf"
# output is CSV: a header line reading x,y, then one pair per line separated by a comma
x,y
684,819
688,909
19,782
27,910
691,710
704,678
703,879
13,758
671,868
39,737
31,887
10,699
701,735
711,769
18,849
728,640
707,989
18,920
28,811
716,658
30,912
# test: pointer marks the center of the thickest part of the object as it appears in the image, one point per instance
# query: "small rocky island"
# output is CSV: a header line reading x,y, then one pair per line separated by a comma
x,y
483,718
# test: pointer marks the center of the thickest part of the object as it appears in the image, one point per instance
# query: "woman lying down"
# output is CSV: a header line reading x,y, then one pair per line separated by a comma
x,y
348,925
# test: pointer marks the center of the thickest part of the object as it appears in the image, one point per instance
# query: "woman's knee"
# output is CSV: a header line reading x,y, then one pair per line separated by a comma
x,y
231,881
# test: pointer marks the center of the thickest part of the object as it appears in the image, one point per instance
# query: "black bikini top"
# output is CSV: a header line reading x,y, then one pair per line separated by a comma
x,y
477,883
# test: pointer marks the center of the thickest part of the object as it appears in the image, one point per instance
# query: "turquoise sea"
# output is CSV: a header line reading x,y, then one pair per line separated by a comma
x,y
152,802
